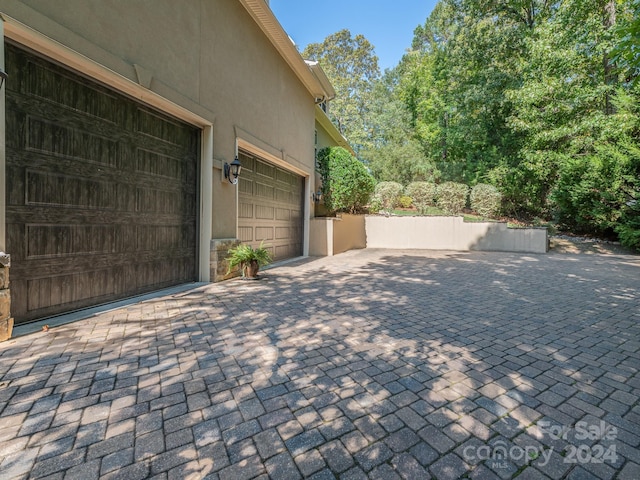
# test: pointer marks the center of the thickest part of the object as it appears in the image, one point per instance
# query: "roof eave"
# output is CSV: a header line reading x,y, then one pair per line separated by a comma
x,y
323,119
322,78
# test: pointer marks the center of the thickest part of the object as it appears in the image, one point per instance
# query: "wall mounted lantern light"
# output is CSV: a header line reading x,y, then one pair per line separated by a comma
x,y
3,77
317,196
232,171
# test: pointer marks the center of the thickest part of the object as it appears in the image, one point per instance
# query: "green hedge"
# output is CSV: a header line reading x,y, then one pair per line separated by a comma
x,y
486,200
346,183
452,197
388,194
423,195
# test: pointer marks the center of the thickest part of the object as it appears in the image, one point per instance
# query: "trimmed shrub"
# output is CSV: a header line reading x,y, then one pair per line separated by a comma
x,y
405,201
485,200
346,184
452,197
423,195
388,193
375,206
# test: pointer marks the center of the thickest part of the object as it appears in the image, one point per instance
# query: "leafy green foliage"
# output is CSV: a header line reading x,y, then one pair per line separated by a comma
x,y
388,193
393,154
626,53
599,193
346,184
244,254
538,98
405,201
629,231
485,199
451,197
423,195
375,206
352,66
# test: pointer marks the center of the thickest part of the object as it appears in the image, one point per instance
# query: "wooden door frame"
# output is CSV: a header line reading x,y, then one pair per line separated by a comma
x,y
17,32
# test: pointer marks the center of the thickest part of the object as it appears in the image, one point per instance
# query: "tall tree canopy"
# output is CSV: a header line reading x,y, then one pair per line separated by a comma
x,y
540,98
352,66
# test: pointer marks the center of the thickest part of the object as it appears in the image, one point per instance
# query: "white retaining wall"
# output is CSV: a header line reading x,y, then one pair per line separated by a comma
x,y
451,233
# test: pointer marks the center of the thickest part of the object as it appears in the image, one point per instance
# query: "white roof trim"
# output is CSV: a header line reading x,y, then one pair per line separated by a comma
x,y
326,123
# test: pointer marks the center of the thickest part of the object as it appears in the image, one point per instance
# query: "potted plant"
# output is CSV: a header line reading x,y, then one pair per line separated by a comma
x,y
249,259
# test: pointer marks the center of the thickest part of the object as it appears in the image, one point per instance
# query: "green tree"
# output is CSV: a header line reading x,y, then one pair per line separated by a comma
x,y
352,66
388,194
464,58
627,49
562,108
346,184
395,154
540,98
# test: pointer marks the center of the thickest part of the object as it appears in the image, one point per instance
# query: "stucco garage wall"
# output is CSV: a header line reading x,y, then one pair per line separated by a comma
x,y
206,62
206,55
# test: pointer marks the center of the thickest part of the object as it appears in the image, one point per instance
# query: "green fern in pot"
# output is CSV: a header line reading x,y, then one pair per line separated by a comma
x,y
249,259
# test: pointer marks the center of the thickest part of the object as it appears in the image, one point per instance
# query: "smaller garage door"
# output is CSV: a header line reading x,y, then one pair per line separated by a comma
x,y
270,207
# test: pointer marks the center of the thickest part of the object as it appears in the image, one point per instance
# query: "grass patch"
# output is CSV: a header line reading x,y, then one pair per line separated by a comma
x,y
401,212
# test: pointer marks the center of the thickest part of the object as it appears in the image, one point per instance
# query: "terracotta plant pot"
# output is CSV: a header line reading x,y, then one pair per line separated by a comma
x,y
251,269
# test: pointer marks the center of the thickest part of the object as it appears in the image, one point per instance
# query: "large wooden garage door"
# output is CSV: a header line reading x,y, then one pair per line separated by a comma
x,y
270,207
101,192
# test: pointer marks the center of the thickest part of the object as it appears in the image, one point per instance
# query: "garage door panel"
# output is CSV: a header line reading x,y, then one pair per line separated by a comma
x,y
283,214
63,240
264,212
245,210
101,192
53,85
58,190
264,233
283,251
53,264
43,136
245,186
154,163
263,190
159,128
245,234
60,290
264,169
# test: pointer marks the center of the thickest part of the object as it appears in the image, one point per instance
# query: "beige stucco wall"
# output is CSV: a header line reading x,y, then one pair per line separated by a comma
x,y
206,55
349,233
324,139
331,236
451,233
334,235
321,237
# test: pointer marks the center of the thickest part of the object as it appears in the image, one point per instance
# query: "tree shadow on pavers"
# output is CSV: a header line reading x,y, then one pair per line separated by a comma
x,y
558,339
399,357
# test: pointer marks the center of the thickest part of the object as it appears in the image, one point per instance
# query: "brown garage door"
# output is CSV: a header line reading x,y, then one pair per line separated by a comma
x,y
270,207
101,192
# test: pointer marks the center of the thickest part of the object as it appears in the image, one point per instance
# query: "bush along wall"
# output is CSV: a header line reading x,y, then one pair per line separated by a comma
x,y
346,184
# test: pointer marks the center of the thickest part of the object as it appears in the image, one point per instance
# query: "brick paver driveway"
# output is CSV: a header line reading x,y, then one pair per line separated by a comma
x,y
371,364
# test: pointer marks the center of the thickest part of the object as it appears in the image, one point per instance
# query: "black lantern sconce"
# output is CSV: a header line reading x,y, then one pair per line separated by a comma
x,y
3,77
232,171
317,196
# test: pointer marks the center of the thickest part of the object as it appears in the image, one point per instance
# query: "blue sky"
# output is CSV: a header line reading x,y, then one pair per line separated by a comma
x,y
387,24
